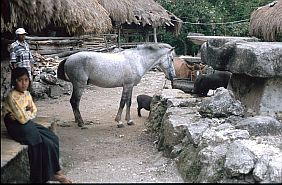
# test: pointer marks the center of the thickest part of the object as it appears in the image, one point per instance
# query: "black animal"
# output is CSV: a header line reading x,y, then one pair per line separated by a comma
x,y
143,101
212,81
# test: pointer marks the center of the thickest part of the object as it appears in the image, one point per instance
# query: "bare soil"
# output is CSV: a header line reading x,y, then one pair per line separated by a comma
x,y
101,152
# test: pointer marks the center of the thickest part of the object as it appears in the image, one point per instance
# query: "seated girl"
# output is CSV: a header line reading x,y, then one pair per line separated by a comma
x,y
19,111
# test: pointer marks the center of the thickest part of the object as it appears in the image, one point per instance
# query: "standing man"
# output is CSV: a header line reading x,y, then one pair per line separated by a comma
x,y
20,54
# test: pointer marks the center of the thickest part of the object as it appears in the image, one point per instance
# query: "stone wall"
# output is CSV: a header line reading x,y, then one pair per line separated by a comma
x,y
209,147
45,82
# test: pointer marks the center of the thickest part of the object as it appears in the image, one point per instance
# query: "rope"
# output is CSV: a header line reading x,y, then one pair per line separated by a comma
x,y
199,23
219,23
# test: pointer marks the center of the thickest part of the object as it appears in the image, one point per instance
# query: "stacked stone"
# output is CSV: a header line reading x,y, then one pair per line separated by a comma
x,y
45,83
212,139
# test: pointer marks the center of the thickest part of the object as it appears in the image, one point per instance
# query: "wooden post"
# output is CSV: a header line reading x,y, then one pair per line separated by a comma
x,y
155,35
119,37
147,39
106,42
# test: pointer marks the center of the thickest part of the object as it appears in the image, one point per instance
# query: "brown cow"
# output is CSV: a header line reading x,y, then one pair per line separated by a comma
x,y
184,70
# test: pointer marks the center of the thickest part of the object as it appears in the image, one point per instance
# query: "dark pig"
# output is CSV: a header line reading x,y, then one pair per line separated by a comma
x,y
212,81
143,101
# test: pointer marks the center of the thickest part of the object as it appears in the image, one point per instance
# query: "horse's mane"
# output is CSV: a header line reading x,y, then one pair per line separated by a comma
x,y
154,46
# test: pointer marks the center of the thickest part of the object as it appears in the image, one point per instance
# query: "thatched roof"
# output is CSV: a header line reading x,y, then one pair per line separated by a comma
x,y
84,16
266,21
77,16
141,12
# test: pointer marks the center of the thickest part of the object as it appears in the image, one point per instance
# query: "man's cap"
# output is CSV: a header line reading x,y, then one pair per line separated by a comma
x,y
20,31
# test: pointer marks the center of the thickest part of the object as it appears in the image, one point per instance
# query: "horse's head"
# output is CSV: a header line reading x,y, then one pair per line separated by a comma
x,y
160,54
166,64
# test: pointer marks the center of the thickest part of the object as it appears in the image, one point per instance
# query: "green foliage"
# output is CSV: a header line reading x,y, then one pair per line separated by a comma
x,y
208,11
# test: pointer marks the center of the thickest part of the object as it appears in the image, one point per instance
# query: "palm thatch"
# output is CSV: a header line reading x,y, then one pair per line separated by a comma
x,y
141,12
77,16
84,16
266,22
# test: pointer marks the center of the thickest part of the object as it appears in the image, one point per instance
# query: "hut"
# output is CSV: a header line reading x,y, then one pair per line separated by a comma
x,y
78,17
74,16
266,22
84,16
52,18
131,17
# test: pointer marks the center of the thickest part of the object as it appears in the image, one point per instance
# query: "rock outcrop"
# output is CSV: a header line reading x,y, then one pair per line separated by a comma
x,y
256,69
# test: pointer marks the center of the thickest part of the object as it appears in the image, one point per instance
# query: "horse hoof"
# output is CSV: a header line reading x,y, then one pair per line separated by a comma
x,y
120,125
84,127
130,122
80,124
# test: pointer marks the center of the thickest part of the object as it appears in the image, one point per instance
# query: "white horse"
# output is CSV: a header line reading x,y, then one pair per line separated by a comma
x,y
123,69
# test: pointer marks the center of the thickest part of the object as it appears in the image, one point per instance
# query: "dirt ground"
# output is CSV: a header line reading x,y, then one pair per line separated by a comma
x,y
101,152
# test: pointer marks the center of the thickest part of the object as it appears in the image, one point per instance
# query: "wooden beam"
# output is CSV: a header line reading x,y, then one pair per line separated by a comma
x,y
55,42
51,38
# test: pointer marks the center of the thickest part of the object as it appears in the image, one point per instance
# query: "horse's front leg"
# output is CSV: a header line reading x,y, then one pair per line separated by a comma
x,y
75,100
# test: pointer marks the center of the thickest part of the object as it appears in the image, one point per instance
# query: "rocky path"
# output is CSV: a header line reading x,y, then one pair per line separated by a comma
x,y
102,152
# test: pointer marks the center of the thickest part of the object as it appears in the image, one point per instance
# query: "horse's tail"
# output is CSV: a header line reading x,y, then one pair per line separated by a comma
x,y
61,70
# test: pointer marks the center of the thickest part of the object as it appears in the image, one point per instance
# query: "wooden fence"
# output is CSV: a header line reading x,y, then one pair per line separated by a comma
x,y
65,46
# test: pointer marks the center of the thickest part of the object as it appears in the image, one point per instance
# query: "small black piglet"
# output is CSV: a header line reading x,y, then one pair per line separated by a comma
x,y
143,101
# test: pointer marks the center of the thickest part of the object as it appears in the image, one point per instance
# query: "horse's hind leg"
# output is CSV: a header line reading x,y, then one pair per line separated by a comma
x,y
75,100
126,91
121,106
128,105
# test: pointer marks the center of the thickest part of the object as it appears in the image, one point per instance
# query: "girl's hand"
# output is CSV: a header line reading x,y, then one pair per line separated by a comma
x,y
11,116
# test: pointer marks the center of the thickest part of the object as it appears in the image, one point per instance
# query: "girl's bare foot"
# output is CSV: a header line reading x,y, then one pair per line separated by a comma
x,y
61,178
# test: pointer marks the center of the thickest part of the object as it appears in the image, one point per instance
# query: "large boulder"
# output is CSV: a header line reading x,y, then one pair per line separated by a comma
x,y
222,104
256,59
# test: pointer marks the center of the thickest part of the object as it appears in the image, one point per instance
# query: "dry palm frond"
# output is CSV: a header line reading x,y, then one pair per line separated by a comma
x,y
141,12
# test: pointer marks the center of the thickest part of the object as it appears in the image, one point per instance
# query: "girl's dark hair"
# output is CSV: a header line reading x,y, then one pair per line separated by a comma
x,y
18,72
